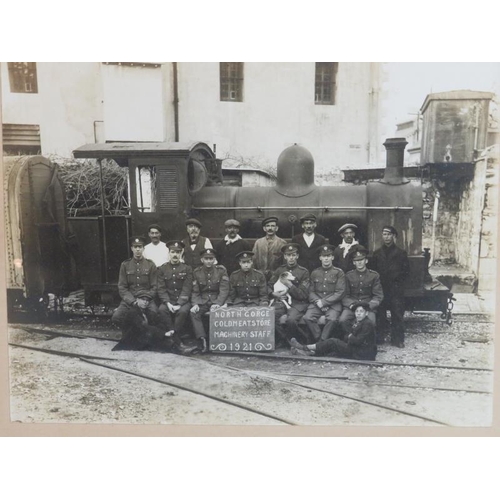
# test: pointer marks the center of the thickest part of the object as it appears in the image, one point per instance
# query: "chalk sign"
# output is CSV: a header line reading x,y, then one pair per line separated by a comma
x,y
242,329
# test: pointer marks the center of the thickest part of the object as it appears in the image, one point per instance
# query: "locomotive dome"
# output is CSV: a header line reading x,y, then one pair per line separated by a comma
x,y
295,172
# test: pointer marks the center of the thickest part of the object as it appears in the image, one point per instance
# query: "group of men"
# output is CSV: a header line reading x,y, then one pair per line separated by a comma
x,y
315,288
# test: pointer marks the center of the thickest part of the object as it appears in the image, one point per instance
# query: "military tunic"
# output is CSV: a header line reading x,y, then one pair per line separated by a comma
x,y
327,285
136,276
175,283
248,288
210,286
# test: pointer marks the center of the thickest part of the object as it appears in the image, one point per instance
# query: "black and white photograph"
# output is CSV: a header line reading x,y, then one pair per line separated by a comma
x,y
251,243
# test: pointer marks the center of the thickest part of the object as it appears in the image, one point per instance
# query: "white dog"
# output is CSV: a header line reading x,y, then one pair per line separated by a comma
x,y
279,286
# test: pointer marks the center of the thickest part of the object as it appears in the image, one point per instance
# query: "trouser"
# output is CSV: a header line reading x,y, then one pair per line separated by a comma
x,y
120,316
197,320
347,320
333,347
395,304
289,328
173,321
330,329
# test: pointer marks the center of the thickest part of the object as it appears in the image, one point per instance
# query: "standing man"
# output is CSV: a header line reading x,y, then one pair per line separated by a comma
x,y
287,318
362,285
325,296
137,275
309,242
267,250
194,244
175,282
232,245
342,256
392,263
156,251
248,286
210,291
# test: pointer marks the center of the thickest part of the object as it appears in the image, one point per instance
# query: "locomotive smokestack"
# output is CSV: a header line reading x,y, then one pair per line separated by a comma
x,y
295,172
395,148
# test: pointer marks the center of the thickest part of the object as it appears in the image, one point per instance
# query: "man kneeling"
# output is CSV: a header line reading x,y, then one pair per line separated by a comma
x,y
359,342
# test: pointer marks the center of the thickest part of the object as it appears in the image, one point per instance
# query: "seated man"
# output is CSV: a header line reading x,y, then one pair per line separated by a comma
x,y
358,343
175,283
287,318
210,291
248,286
325,296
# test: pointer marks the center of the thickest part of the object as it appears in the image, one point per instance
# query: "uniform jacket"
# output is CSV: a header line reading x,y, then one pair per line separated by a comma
x,y
300,288
175,283
393,266
268,256
363,340
363,286
192,257
329,286
136,276
248,288
226,254
309,256
210,286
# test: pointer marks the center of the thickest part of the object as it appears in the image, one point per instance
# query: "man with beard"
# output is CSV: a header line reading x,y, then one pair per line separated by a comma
x,y
232,245
156,251
267,250
287,318
309,241
343,253
194,244
210,291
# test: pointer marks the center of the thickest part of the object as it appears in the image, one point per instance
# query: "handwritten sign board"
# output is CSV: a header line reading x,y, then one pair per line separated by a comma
x,y
242,329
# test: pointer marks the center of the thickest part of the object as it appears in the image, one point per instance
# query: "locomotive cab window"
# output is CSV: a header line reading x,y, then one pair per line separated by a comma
x,y
146,180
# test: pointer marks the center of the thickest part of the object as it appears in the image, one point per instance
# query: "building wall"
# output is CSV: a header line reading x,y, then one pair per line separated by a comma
x,y
68,102
277,111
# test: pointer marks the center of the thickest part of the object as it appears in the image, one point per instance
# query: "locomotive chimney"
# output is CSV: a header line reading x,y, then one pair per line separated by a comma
x,y
295,172
395,148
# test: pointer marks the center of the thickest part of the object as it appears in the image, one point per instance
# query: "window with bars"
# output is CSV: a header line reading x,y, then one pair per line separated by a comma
x,y
22,77
231,81
325,82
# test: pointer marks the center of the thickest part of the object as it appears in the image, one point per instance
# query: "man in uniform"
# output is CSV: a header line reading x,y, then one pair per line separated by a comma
x,y
343,253
287,319
392,263
194,244
156,251
309,241
325,296
232,245
210,291
362,285
137,274
175,282
267,250
247,287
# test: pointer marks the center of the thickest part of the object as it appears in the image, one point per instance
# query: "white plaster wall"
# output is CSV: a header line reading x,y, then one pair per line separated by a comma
x,y
277,110
133,103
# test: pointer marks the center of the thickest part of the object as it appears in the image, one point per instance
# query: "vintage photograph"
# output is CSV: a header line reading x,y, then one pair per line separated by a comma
x,y
245,243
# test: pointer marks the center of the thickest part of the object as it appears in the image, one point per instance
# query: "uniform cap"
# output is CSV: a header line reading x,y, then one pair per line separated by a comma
x,y
232,222
360,303
290,248
155,226
347,226
326,249
175,244
308,217
392,229
207,252
195,222
137,240
359,252
269,219
145,294
245,255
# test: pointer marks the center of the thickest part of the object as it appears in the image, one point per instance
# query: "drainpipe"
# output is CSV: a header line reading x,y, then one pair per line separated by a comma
x,y
481,205
435,210
176,102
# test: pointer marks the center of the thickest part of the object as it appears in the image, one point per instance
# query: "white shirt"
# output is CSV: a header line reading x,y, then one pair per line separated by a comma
x,y
308,238
159,253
